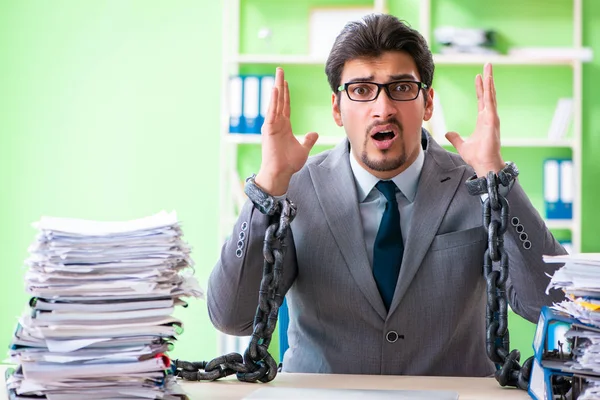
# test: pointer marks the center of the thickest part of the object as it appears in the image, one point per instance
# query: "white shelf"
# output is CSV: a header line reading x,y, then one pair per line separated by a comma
x,y
496,59
253,138
439,59
537,143
510,142
278,59
559,223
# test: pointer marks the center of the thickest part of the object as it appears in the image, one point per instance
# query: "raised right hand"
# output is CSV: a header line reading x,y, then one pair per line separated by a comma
x,y
282,154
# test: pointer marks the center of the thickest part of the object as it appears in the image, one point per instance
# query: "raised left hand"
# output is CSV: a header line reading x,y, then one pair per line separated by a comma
x,y
481,150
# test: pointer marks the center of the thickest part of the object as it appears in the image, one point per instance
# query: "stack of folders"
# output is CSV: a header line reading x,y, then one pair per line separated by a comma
x,y
558,188
100,322
249,97
576,321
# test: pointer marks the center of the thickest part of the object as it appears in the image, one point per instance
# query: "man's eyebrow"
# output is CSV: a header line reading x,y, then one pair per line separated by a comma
x,y
362,79
392,78
403,77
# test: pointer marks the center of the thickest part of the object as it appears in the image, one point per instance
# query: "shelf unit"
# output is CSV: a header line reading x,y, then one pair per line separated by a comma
x,y
439,59
241,138
233,59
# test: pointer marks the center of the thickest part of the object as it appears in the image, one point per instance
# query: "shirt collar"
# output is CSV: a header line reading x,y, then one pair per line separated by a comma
x,y
406,180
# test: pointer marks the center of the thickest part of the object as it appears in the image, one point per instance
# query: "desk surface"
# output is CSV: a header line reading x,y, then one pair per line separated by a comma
x,y
230,388
467,388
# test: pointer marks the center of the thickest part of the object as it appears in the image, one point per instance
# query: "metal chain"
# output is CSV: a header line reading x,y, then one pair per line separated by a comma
x,y
256,364
509,372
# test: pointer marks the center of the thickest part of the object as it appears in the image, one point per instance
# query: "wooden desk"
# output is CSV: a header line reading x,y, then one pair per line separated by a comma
x,y
467,388
231,389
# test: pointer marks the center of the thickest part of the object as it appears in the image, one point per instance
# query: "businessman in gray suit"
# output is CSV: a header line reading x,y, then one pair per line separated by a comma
x,y
343,317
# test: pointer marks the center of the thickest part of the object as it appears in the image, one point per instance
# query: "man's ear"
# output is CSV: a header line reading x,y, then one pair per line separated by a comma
x,y
335,110
428,105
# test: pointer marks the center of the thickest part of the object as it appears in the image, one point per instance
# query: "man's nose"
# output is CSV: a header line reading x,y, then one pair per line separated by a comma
x,y
383,106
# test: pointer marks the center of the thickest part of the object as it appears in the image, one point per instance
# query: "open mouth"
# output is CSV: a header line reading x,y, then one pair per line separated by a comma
x,y
384,135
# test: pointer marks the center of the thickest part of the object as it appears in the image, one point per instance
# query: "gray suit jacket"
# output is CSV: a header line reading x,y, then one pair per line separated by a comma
x,y
338,322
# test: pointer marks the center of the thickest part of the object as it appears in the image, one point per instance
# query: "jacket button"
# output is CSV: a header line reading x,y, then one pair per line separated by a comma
x,y
392,336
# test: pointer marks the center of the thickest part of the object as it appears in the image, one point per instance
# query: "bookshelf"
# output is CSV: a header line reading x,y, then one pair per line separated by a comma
x,y
528,85
236,59
439,59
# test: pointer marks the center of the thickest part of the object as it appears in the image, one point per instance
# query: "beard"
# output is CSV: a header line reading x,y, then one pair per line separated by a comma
x,y
387,163
384,165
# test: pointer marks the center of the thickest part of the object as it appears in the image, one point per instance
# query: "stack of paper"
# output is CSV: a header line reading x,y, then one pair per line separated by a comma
x,y
457,40
100,322
579,278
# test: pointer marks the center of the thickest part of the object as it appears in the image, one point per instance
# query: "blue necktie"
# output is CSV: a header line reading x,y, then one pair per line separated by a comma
x,y
388,249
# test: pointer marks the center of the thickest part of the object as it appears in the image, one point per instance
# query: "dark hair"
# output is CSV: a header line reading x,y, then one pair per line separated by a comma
x,y
373,35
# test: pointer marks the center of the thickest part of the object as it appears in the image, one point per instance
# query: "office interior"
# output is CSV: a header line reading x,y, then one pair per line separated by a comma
x,y
112,110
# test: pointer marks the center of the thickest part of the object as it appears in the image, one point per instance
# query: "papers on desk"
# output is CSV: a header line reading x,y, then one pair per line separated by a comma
x,y
579,278
99,322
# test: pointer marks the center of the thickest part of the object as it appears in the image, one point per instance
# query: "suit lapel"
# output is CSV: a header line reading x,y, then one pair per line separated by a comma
x,y
438,183
336,191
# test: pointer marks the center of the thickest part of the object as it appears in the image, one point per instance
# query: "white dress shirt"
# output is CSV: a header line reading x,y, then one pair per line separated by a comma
x,y
371,202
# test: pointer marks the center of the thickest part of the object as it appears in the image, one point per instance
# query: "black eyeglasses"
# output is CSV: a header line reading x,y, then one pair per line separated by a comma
x,y
397,90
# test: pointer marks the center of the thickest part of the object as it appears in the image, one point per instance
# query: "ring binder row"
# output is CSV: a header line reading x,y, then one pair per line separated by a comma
x,y
249,97
558,188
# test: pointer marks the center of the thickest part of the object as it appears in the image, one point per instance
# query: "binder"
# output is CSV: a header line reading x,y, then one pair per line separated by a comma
x,y
284,323
235,105
553,355
558,188
550,330
266,85
249,98
250,104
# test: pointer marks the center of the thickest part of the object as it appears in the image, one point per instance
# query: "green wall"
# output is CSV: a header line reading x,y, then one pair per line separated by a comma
x,y
110,110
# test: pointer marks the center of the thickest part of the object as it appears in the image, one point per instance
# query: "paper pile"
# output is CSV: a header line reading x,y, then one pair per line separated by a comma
x,y
579,278
458,40
100,321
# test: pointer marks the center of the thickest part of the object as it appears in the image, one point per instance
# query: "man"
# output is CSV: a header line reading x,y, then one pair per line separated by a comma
x,y
344,318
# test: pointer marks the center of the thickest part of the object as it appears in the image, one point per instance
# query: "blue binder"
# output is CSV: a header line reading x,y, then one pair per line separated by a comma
x,y
284,322
558,188
251,104
235,104
549,348
249,97
266,85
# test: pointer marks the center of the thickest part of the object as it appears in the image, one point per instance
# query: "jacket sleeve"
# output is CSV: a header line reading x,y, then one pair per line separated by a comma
x,y
526,241
233,285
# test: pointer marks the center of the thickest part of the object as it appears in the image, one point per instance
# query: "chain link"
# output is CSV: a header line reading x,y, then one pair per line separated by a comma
x,y
256,364
508,370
